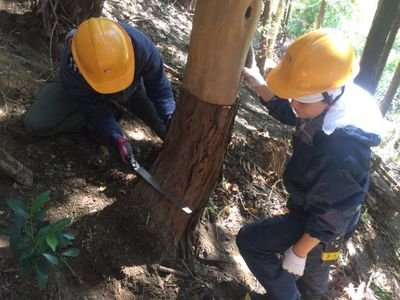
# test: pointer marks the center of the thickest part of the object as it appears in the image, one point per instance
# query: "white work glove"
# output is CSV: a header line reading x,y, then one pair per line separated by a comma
x,y
293,263
253,77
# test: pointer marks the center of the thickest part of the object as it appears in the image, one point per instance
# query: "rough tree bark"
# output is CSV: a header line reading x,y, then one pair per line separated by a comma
x,y
379,40
190,161
391,92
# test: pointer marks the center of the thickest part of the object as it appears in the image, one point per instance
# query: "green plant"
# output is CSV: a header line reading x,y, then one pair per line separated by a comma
x,y
365,215
38,244
380,293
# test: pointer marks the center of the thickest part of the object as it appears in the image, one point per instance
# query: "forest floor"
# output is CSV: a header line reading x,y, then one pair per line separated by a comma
x,y
116,263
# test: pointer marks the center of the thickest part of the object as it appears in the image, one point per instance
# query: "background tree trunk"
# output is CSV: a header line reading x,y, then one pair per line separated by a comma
x,y
288,10
274,30
388,47
379,40
321,14
391,92
264,35
190,161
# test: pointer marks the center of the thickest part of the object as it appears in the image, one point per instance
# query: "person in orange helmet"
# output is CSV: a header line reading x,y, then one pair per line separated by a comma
x,y
327,175
104,61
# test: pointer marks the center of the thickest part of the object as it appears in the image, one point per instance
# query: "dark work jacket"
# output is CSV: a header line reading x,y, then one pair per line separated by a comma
x,y
149,74
326,177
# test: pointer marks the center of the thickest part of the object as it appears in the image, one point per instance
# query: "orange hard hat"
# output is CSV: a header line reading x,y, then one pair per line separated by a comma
x,y
316,62
104,55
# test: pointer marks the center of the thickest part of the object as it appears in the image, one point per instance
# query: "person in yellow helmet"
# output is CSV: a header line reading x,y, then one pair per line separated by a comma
x,y
327,174
104,61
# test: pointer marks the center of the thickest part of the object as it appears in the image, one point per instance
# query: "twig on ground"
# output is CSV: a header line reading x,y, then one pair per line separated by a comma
x,y
76,276
172,271
272,189
13,270
369,282
246,209
187,268
172,70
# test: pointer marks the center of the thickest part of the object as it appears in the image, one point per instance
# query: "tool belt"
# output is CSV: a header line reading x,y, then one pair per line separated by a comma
x,y
331,251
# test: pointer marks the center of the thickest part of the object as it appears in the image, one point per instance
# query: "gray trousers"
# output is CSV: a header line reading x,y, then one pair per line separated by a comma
x,y
54,111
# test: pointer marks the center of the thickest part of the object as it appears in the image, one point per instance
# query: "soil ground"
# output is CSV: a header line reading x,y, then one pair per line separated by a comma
x,y
117,262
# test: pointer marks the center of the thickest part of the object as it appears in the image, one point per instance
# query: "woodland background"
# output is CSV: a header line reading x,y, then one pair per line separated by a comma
x,y
133,244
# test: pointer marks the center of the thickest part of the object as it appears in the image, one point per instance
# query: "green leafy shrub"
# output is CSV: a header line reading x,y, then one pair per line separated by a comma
x,y
38,244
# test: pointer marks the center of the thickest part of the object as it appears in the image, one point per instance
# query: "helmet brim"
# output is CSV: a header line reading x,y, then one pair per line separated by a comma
x,y
279,85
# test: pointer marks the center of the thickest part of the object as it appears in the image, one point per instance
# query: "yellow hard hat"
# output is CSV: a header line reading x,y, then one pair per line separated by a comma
x,y
104,55
314,63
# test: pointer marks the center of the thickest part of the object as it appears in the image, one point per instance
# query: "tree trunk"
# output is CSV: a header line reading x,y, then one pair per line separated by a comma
x,y
384,26
264,20
321,14
190,161
391,92
388,47
274,30
288,11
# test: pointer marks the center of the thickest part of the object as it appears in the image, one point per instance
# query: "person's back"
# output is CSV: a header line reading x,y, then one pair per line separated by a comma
x,y
328,172
104,62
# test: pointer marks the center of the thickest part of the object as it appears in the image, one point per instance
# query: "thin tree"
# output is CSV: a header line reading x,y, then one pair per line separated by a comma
x,y
288,10
391,92
273,31
379,42
264,34
321,14
275,26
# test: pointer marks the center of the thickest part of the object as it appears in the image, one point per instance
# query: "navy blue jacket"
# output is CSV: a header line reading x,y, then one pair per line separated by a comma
x,y
149,73
327,179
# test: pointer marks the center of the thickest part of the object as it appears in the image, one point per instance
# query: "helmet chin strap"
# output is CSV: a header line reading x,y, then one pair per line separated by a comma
x,y
330,100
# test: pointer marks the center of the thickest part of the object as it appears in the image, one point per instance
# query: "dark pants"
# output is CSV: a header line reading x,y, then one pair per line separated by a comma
x,y
261,245
53,111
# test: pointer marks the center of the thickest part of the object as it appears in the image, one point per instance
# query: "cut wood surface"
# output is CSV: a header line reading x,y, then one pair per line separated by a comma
x,y
216,58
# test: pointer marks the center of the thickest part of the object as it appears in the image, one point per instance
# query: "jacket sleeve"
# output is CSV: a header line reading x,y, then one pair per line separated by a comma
x,y
157,86
337,187
92,105
281,110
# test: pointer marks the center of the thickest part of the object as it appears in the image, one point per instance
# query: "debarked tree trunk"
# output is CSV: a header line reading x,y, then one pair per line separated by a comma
x,y
193,152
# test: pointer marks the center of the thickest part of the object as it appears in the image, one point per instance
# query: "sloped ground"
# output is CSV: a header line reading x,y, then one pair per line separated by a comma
x,y
85,180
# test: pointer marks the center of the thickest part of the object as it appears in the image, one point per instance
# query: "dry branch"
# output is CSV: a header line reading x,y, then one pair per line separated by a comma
x,y
15,169
172,271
